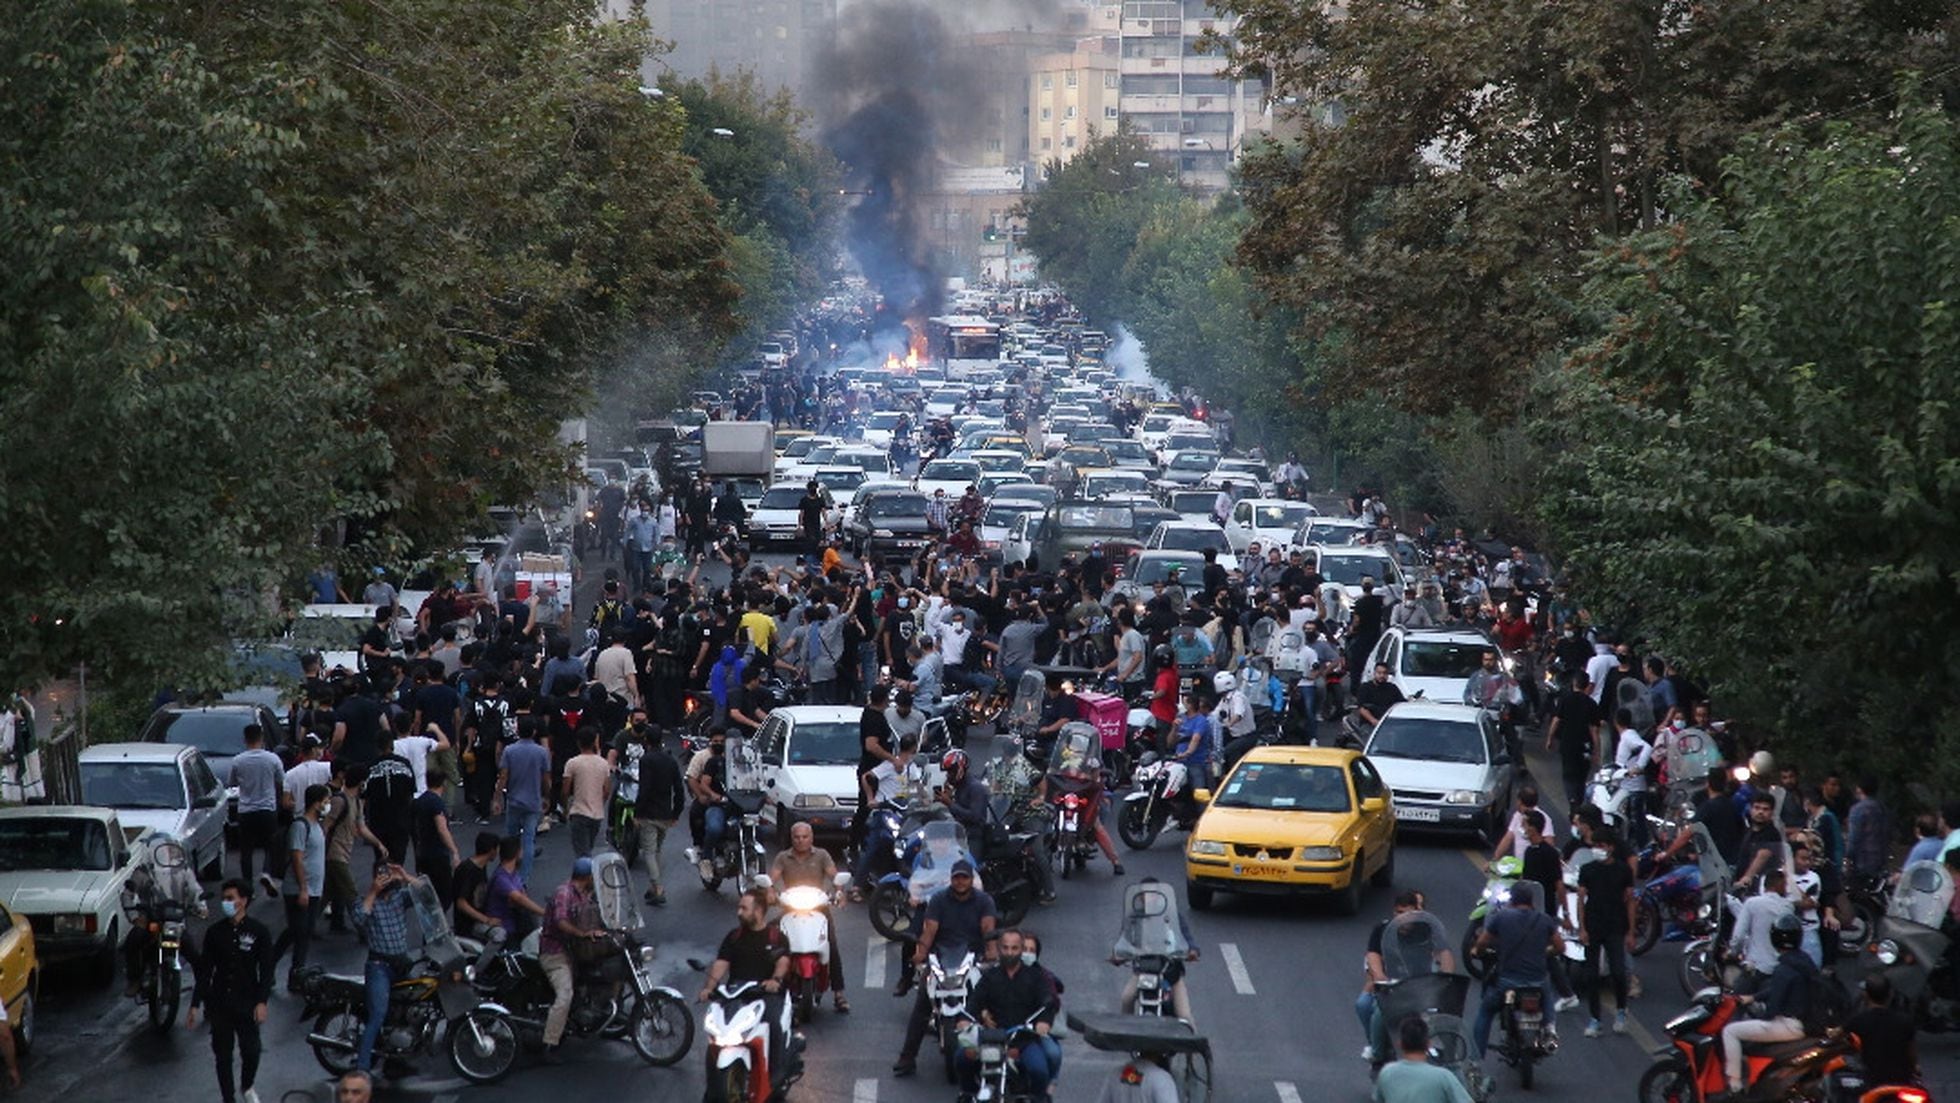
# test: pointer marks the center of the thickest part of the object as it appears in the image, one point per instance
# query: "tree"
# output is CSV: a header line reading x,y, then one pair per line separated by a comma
x,y
1461,160
1757,445
1084,221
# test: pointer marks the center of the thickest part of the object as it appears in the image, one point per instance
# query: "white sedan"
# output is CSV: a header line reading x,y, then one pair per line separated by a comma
x,y
952,476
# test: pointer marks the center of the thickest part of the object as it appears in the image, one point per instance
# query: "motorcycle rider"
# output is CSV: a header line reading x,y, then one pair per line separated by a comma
x,y
707,814
1495,691
382,919
958,918
1523,934
1232,717
1374,971
1754,923
1886,1048
1785,998
1007,996
754,951
804,864
571,917
1413,1079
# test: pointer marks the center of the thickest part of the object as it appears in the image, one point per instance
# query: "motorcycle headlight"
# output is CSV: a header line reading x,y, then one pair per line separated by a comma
x,y
1321,854
1208,846
1705,911
814,800
1463,796
1510,664
1887,952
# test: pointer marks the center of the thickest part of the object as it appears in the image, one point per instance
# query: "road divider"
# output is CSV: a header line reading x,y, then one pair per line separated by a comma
x,y
1287,1092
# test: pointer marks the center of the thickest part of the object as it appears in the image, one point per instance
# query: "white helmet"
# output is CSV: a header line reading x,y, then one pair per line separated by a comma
x,y
1224,682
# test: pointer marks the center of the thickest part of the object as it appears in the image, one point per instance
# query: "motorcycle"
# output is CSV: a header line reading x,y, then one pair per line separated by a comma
x,y
515,996
622,821
948,988
807,931
1910,949
1413,986
1188,1052
1523,1038
1496,895
159,909
739,854
1690,1069
1161,793
924,858
416,1018
1152,943
1075,793
1607,794
998,1052
742,1064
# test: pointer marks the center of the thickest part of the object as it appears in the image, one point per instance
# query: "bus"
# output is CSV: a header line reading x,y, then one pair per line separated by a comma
x,y
951,337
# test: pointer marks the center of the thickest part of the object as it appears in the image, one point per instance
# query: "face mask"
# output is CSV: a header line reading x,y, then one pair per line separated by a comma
x,y
229,907
639,725
1028,957
905,603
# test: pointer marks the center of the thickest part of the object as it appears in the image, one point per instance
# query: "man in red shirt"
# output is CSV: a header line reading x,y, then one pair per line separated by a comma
x,y
1163,695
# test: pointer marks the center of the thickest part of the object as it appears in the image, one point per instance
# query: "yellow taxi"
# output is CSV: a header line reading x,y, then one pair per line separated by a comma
x,y
1293,821
20,976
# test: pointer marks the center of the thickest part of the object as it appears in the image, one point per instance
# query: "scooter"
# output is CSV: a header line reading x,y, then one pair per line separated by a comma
x,y
1691,1069
1607,794
1496,895
1161,793
998,1053
807,930
742,1067
1911,945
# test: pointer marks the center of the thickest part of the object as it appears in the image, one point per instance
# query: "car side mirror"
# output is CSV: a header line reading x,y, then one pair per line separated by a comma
x,y
208,800
1373,804
770,782
1202,796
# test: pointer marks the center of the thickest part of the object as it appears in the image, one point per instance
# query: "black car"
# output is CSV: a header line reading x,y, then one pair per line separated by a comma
x,y
217,730
889,525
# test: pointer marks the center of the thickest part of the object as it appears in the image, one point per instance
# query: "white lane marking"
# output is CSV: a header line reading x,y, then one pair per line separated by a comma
x,y
1287,1092
1235,965
875,948
866,1091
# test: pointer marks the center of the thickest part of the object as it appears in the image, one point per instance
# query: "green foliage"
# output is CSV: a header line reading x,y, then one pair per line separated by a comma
x,y
1758,447
1481,149
1086,218
270,267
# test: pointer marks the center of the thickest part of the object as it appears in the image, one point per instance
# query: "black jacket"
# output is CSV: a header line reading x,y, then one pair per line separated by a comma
x,y
663,793
1013,1000
234,968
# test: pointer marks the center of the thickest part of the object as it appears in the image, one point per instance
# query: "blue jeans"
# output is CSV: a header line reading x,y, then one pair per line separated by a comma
x,y
380,977
714,824
1494,999
523,822
1364,1009
1041,1062
1310,700
974,679
867,671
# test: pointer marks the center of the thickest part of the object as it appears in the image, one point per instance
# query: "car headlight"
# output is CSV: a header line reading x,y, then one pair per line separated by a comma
x,y
74,923
1463,796
814,800
1887,952
1207,846
1321,854
881,532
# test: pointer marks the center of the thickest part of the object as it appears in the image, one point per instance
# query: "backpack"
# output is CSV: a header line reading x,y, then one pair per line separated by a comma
x,y
608,612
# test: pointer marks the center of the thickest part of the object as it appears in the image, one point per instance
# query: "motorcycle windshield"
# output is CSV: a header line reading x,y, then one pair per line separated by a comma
x,y
1026,709
1691,753
1077,752
1414,945
1714,868
744,766
941,844
612,890
438,941
1151,923
168,866
1924,893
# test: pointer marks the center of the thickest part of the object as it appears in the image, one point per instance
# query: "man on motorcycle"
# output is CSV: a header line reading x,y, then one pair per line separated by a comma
x,y
1523,934
382,919
1785,999
1174,972
1013,993
754,951
804,864
1496,692
1756,921
571,917
1375,971
958,918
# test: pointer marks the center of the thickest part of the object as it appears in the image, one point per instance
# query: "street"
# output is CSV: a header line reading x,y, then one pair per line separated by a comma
x,y
1274,991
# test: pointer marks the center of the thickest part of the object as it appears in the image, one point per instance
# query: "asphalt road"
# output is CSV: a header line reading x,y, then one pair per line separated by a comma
x,y
1274,991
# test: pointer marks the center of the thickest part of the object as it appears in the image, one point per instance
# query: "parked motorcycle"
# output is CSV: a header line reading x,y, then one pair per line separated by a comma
x,y
744,1065
1910,949
1691,1069
806,929
157,903
1161,795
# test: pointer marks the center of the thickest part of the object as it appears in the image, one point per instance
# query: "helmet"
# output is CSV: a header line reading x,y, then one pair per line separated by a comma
x,y
1162,653
1224,682
954,763
1510,867
1786,933
1762,763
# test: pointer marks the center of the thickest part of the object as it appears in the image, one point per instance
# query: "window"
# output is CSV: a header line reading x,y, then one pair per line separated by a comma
x,y
1068,79
1047,143
1047,81
1112,80
1069,112
1068,142
993,145
1109,112
1046,114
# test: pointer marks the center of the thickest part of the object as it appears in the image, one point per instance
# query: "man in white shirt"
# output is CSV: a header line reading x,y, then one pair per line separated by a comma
x,y
613,669
1597,668
416,748
883,781
311,769
1221,505
1753,921
1633,754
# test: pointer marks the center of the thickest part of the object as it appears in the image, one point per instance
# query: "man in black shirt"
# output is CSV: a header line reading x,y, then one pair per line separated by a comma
x,y
959,919
233,983
755,951
1763,844
385,798
1373,697
1716,811
1606,907
809,513
659,805
1575,729
469,883
1886,1047
1008,996
357,723
875,733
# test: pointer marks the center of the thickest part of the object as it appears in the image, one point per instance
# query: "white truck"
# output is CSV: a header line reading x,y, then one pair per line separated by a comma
x,y
738,450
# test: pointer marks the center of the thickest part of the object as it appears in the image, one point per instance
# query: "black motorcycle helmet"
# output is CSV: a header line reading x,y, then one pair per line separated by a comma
x,y
1786,933
1161,653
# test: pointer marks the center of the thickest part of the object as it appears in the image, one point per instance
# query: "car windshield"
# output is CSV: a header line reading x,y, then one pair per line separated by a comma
x,y
884,419
840,480
221,733
898,505
1007,462
1349,570
799,448
1156,423
1193,461
1158,567
951,470
1328,532
1027,492
1183,539
1002,516
1280,517
132,785
53,843
1285,787
1193,501
1424,659
866,461
825,745
1126,449
1427,740
782,497
1193,440
1094,517
1100,485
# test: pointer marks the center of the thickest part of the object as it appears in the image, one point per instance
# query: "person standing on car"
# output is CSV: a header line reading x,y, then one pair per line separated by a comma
x,y
809,517
259,776
233,982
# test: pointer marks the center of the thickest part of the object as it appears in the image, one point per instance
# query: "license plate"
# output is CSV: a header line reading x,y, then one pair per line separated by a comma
x,y
1418,814
1259,869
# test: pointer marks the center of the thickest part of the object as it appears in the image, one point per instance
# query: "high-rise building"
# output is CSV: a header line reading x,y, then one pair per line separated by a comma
x,y
778,40
1072,97
1179,98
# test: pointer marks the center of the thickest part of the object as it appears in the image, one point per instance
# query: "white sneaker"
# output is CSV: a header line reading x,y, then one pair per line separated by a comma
x,y
1564,1005
250,1095
271,886
1368,1053
693,856
1620,1023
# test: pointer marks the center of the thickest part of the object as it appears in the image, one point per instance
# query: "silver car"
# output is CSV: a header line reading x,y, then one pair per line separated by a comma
x,y
1447,766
